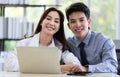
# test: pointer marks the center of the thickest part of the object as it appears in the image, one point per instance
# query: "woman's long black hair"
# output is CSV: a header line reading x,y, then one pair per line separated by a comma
x,y
59,35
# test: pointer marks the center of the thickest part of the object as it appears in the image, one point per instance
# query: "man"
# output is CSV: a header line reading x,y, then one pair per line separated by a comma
x,y
99,50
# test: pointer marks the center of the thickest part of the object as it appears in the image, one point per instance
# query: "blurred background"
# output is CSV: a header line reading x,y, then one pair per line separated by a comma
x,y
105,16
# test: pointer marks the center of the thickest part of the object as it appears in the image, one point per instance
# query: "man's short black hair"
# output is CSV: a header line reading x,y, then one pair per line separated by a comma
x,y
78,7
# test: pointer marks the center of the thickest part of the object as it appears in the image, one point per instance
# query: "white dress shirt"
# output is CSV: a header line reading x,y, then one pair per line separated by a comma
x,y
11,63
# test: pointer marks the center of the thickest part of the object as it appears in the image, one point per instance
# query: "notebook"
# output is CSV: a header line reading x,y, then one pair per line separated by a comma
x,y
42,60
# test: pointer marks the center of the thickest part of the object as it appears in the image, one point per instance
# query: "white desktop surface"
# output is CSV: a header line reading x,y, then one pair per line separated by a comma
x,y
18,74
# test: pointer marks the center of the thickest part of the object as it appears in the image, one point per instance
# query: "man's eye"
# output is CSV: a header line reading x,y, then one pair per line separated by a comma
x,y
81,20
72,21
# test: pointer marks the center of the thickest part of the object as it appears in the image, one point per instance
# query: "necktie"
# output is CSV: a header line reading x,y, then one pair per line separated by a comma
x,y
83,54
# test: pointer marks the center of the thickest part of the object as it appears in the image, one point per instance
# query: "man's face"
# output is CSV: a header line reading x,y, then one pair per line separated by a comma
x,y
79,24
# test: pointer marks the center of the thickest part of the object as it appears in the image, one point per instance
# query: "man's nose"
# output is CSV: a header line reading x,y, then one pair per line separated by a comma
x,y
78,23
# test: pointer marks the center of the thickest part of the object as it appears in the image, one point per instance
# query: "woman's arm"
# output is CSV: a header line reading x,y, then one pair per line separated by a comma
x,y
67,67
11,62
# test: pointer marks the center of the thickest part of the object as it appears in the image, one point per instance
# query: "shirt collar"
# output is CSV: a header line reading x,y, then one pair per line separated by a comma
x,y
52,43
86,40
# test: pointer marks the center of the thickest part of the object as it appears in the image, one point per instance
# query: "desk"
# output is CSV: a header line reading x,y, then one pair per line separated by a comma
x,y
17,74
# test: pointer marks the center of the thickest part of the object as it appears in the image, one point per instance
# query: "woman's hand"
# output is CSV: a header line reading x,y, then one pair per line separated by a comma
x,y
76,68
67,67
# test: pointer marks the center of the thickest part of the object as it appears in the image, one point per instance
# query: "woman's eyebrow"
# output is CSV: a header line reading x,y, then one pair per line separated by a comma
x,y
51,17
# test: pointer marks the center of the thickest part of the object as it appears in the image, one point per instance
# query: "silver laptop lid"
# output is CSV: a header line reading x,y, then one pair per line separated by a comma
x,y
44,60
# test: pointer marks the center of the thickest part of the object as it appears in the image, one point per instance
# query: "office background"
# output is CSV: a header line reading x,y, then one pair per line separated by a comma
x,y
105,16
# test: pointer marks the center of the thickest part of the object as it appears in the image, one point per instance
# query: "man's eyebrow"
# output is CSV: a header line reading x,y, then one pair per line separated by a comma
x,y
78,18
82,17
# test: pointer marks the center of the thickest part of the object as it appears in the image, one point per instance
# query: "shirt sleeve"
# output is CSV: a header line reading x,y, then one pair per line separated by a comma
x,y
109,61
68,57
11,62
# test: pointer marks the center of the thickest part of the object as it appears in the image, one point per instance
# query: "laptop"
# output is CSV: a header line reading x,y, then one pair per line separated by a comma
x,y
42,60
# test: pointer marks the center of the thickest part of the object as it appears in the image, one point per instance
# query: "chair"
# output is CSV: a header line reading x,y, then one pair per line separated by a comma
x,y
117,44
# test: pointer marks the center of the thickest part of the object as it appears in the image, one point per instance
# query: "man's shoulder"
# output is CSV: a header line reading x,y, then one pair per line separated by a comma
x,y
98,35
100,38
71,40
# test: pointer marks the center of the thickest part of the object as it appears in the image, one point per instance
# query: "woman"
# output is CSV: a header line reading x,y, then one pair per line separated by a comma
x,y
49,32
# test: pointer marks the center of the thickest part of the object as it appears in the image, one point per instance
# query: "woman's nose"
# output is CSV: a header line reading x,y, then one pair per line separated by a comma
x,y
52,22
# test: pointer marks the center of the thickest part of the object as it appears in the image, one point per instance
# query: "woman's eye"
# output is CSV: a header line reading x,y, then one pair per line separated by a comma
x,y
57,21
48,18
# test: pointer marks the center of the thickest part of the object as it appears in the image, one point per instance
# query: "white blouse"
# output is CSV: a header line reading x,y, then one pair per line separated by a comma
x,y
11,63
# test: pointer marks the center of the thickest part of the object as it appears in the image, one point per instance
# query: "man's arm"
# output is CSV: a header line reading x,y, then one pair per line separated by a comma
x,y
109,60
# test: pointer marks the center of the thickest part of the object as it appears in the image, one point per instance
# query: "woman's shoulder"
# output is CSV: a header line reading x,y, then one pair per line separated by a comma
x,y
27,41
24,42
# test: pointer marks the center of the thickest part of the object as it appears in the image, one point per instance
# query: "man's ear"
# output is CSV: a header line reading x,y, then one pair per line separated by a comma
x,y
89,22
68,25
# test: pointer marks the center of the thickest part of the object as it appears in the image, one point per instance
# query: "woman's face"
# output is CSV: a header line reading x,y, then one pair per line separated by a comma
x,y
51,24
